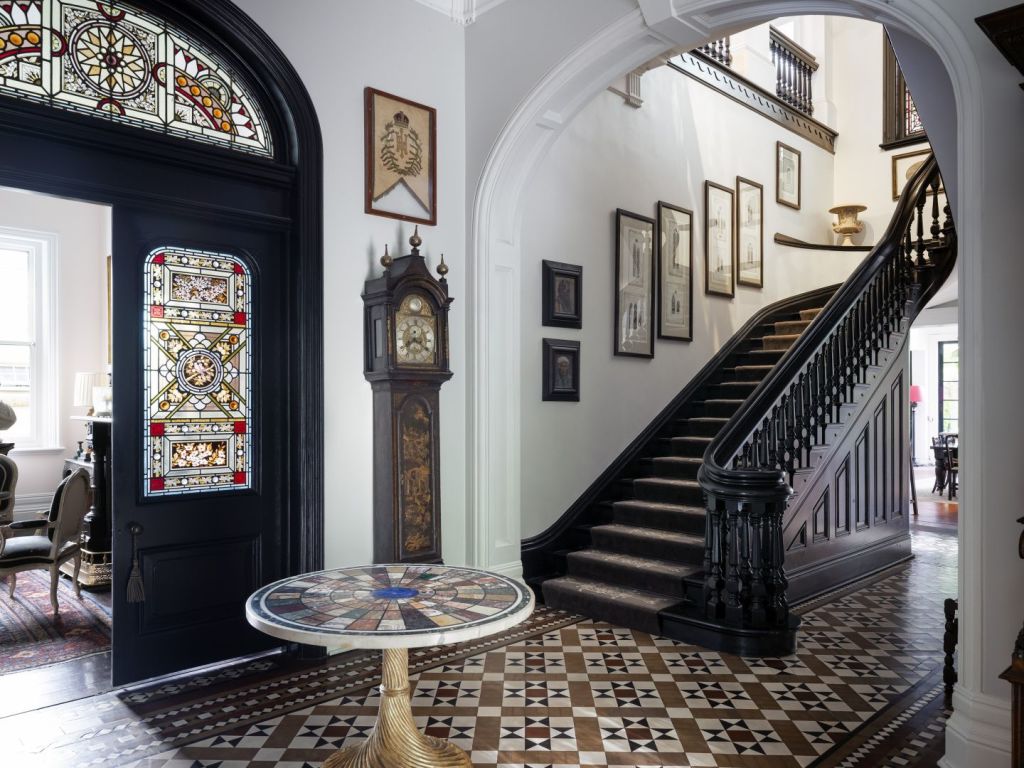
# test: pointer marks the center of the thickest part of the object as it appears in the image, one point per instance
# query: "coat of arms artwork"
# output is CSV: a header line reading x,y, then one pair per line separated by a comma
x,y
401,168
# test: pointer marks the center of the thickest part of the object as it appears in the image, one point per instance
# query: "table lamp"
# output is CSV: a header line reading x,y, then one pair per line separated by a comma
x,y
84,383
915,398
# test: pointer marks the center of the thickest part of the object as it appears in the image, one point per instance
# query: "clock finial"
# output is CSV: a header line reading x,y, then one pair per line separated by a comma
x,y
416,241
386,261
442,268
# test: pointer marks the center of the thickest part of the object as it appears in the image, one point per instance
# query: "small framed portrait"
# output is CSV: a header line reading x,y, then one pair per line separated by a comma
x,y
675,272
904,167
749,233
562,294
561,370
719,240
787,175
634,284
401,162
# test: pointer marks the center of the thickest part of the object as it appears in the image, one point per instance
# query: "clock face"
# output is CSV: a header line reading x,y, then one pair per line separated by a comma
x,y
415,332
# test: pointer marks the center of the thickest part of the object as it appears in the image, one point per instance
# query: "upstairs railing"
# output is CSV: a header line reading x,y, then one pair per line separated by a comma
x,y
718,50
748,468
794,72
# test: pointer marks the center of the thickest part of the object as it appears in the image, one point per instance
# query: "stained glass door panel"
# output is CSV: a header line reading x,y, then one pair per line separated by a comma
x,y
197,352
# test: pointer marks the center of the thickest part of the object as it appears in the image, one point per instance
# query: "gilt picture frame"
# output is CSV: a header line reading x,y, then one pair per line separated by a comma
x,y
787,175
561,294
400,158
634,285
749,233
719,240
561,370
675,272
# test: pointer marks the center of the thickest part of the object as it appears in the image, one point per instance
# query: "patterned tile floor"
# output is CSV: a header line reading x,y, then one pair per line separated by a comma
x,y
864,689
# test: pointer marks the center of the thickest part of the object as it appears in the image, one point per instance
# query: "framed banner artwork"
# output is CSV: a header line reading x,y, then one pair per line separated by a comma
x,y
787,175
750,232
634,284
562,294
561,370
719,239
675,272
401,162
906,165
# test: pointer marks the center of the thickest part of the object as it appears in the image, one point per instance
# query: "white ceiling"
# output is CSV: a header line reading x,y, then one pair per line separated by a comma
x,y
463,12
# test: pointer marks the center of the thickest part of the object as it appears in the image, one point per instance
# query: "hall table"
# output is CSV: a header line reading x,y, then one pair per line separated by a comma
x,y
392,608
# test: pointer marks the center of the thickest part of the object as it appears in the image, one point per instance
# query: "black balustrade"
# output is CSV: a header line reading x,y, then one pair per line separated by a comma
x,y
718,50
794,72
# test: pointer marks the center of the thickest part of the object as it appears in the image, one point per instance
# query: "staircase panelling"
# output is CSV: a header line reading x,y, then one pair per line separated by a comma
x,y
853,501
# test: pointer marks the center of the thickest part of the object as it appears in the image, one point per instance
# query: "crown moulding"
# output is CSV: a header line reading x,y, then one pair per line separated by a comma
x,y
463,12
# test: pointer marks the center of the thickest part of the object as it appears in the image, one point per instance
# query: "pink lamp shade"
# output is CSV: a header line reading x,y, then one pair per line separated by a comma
x,y
915,393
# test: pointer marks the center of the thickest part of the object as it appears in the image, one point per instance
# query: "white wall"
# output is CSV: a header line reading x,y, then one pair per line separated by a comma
x,y
613,156
404,48
83,243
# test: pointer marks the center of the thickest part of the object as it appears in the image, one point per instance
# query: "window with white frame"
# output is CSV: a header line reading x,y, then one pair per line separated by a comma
x,y
28,360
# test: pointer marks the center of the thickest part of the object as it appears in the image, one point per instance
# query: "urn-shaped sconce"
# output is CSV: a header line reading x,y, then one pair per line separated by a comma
x,y
847,223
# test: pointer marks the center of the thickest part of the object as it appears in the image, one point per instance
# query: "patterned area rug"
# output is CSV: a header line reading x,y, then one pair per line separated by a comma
x,y
31,636
864,689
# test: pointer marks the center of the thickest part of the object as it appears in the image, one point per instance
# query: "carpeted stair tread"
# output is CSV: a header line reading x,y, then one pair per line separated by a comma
x,y
779,341
692,446
749,372
668,490
684,518
662,577
810,314
648,542
624,607
786,327
684,467
702,425
714,407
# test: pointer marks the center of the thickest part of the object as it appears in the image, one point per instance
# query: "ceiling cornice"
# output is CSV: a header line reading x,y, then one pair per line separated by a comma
x,y
463,12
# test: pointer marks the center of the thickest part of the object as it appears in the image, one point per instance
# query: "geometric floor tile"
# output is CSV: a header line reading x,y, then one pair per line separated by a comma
x,y
741,737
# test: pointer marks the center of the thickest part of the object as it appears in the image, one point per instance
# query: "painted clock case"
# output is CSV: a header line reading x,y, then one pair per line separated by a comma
x,y
406,412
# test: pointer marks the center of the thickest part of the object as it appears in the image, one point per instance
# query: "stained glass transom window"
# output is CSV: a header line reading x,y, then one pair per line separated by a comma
x,y
113,60
197,355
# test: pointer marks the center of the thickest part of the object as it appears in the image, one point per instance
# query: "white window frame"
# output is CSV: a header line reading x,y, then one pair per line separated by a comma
x,y
45,372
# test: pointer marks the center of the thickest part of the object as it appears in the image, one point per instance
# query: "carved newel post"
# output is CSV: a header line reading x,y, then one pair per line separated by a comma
x,y
406,361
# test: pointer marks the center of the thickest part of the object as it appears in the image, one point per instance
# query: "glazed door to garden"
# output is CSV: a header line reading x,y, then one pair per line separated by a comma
x,y
198,451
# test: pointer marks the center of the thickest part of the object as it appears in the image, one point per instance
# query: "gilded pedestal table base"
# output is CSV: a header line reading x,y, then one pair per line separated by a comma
x,y
395,741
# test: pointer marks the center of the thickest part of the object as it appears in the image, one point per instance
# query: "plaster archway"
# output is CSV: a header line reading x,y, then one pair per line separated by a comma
x,y
495,391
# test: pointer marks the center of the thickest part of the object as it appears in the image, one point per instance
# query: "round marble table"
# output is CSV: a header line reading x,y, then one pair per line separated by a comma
x,y
393,608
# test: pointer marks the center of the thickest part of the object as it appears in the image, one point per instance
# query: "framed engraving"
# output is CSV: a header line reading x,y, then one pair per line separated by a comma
x,y
675,272
401,158
719,240
562,294
749,232
561,370
906,165
787,175
634,284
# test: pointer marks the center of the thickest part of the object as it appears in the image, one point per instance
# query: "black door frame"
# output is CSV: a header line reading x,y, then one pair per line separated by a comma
x,y
91,158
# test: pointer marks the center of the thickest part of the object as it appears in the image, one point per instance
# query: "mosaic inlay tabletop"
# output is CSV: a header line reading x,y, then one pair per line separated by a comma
x,y
388,601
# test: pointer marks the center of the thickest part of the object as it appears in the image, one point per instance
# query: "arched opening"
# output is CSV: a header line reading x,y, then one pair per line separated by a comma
x,y
216,205
495,477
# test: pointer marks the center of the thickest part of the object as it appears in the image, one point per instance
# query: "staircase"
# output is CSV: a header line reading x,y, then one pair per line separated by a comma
x,y
650,552
696,532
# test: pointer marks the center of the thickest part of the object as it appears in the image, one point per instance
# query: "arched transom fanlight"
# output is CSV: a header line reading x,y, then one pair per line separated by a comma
x,y
127,65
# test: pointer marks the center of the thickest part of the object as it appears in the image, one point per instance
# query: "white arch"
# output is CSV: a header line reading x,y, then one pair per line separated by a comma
x,y
494,344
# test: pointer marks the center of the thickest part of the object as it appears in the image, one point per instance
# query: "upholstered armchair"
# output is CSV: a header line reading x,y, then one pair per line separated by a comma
x,y
56,537
8,483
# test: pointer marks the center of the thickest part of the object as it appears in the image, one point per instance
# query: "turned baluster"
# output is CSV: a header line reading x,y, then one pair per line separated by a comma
x,y
728,53
920,231
733,585
936,229
716,534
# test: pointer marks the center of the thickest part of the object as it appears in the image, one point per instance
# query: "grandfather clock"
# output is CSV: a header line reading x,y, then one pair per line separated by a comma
x,y
406,361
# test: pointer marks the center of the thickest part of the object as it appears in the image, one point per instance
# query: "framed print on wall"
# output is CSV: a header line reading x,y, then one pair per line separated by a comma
x,y
675,272
787,175
906,165
719,239
401,163
562,294
561,370
634,284
749,232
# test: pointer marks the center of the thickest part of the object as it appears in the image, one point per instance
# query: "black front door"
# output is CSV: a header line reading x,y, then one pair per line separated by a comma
x,y
200,440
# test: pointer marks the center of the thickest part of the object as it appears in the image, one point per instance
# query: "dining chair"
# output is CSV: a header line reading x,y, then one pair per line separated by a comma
x,y
8,485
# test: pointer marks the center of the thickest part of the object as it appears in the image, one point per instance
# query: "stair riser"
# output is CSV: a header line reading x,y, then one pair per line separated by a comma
x,y
661,549
636,617
715,409
732,391
761,356
662,519
625,575
666,467
750,374
688,447
668,493
698,427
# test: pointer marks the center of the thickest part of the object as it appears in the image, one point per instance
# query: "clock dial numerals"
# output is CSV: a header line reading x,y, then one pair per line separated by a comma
x,y
415,333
